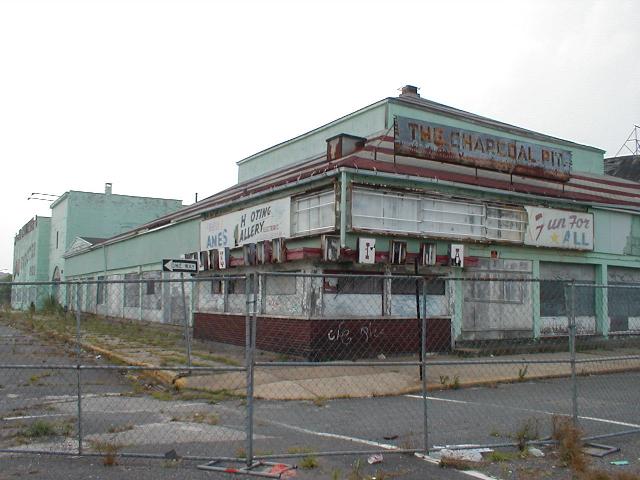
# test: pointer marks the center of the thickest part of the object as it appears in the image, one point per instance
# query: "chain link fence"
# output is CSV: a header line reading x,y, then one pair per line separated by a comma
x,y
277,365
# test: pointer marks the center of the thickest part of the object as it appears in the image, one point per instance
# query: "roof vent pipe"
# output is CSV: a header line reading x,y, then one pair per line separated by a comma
x,y
107,188
409,91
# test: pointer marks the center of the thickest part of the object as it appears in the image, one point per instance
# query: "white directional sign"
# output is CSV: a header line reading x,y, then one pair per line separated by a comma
x,y
173,265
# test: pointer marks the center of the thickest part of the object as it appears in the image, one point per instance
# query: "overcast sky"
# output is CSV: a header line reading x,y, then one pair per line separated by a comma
x,y
162,98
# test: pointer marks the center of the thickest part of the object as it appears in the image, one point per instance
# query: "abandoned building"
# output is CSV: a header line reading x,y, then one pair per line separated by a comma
x,y
399,182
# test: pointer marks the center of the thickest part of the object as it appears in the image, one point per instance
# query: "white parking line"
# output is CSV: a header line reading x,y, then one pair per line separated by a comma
x,y
29,417
529,410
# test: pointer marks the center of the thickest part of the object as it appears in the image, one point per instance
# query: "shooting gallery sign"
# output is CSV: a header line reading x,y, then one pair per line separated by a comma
x,y
432,141
559,229
261,222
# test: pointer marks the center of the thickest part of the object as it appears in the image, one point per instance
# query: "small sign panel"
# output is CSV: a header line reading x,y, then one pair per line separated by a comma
x,y
367,250
549,227
457,255
179,265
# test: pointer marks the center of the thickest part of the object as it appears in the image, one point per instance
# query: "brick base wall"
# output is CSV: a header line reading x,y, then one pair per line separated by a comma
x,y
326,339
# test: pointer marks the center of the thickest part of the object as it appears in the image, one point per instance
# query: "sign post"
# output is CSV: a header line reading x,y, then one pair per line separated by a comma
x,y
182,267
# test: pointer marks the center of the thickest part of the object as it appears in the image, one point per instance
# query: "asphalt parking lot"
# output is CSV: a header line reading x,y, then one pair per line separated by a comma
x,y
125,413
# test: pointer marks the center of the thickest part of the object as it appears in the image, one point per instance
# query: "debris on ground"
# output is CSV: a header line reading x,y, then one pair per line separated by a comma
x,y
377,458
536,452
467,455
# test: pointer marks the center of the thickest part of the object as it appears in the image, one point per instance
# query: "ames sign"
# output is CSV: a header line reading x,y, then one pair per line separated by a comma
x,y
455,145
261,222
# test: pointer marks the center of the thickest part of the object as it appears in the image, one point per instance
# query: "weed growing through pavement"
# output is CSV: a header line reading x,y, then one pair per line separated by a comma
x,y
527,431
320,401
355,473
569,438
309,462
522,372
108,450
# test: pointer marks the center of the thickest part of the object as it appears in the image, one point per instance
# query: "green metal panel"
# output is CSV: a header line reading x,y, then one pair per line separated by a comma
x,y
148,249
364,122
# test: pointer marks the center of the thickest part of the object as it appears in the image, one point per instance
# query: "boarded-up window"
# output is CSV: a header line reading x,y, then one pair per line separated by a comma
x,y
132,291
277,285
354,285
100,291
554,289
407,286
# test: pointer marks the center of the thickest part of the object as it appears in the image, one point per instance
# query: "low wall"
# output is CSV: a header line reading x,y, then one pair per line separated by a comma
x,y
326,339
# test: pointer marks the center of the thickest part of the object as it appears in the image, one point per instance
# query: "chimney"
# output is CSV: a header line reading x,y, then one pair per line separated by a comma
x,y
107,188
409,91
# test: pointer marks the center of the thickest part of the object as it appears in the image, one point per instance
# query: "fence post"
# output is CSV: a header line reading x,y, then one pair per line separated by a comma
x,y
78,359
195,290
423,364
572,352
186,322
250,325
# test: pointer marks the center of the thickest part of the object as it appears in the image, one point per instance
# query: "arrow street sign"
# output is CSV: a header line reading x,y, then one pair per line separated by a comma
x,y
175,265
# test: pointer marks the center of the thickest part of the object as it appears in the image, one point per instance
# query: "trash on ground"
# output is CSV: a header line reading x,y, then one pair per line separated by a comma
x,y
172,455
469,455
377,458
285,471
536,452
599,450
619,463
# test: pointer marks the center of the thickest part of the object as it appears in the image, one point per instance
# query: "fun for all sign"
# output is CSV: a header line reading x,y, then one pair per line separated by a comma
x,y
559,229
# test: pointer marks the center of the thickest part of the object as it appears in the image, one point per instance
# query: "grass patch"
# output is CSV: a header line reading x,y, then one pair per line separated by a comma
x,y
309,462
217,359
39,428
498,456
36,378
198,417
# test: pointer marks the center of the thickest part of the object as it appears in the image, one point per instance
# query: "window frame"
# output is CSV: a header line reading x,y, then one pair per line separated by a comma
x,y
485,228
295,213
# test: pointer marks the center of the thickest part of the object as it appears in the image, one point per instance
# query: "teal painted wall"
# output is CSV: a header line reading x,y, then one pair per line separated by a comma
x,y
143,250
31,252
99,215
30,263
378,117
361,123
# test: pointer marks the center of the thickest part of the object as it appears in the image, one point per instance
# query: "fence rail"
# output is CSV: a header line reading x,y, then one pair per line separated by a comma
x,y
276,365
